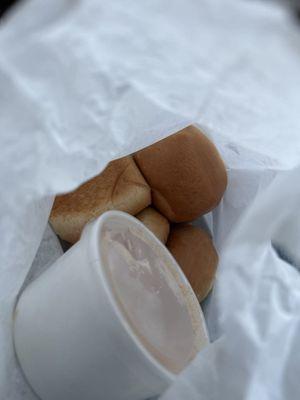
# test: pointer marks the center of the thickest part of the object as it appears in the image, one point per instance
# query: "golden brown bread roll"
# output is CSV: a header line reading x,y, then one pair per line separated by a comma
x,y
195,253
120,186
155,222
186,174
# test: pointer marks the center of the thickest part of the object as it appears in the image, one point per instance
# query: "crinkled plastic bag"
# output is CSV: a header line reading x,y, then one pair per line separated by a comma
x,y
257,299
84,82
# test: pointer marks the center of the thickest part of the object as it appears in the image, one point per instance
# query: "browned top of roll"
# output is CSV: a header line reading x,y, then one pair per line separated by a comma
x,y
195,253
186,174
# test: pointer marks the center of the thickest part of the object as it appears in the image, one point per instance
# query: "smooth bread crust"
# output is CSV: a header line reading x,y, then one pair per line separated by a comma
x,y
155,222
186,174
195,253
121,186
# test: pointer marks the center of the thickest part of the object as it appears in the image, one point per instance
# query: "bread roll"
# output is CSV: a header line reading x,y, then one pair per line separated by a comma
x,y
120,186
194,251
186,174
157,223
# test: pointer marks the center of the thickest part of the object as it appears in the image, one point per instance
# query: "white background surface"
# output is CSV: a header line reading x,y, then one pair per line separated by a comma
x,y
83,82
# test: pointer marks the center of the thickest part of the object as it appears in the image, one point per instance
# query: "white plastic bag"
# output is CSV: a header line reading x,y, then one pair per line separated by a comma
x,y
84,82
257,298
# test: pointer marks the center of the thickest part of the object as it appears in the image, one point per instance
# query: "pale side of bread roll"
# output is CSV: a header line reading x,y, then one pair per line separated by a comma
x,y
155,222
120,186
186,174
195,253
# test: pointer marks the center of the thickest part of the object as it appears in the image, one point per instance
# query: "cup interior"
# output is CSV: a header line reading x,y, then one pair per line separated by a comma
x,y
149,292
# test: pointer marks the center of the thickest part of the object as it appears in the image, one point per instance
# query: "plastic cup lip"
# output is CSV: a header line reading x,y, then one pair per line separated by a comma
x,y
93,230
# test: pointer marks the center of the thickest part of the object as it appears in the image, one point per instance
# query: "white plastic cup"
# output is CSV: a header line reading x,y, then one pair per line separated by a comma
x,y
71,337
